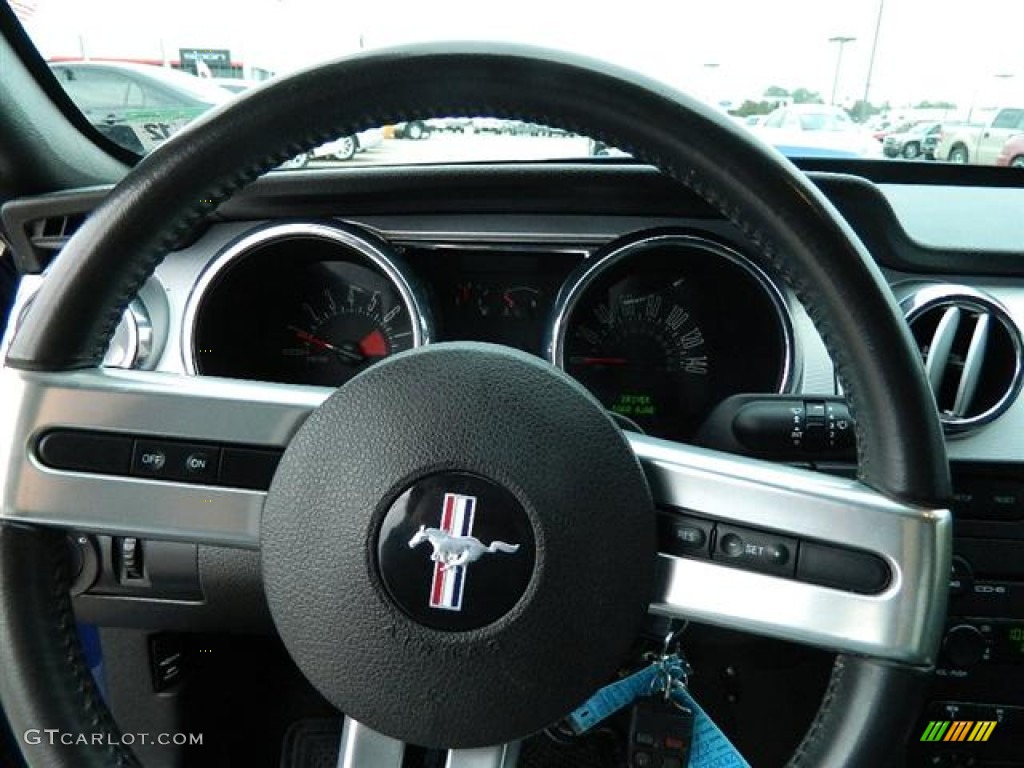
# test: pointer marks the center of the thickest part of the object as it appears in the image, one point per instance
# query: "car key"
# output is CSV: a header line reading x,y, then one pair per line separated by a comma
x,y
660,733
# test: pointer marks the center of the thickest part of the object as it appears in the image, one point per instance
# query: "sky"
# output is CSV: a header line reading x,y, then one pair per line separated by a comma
x,y
715,49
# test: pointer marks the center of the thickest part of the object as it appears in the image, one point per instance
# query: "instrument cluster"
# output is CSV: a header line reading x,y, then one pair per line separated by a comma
x,y
659,326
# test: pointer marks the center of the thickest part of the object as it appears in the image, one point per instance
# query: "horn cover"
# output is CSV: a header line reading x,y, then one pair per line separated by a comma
x,y
476,421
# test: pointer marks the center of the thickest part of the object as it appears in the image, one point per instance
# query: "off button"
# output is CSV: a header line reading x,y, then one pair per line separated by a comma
x,y
183,462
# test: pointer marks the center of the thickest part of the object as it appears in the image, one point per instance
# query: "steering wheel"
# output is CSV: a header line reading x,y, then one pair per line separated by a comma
x,y
570,495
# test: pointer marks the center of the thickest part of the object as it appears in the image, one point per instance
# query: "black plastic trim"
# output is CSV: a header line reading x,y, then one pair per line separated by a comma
x,y
583,188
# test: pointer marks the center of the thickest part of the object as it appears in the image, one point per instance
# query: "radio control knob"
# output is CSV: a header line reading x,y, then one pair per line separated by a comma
x,y
964,645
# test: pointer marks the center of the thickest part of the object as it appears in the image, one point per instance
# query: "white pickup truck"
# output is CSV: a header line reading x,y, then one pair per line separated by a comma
x,y
980,145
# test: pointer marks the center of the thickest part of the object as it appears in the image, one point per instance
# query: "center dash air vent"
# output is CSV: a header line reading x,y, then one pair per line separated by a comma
x,y
971,350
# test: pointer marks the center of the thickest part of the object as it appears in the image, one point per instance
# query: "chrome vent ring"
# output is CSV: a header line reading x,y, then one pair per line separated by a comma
x,y
972,353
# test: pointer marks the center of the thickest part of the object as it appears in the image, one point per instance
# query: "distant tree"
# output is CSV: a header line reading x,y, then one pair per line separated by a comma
x,y
862,110
748,108
775,92
935,105
805,96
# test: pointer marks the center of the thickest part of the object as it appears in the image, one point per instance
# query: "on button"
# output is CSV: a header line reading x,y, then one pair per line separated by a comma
x,y
199,463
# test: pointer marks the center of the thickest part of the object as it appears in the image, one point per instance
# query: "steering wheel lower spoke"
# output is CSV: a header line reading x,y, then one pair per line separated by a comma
x,y
798,555
363,746
136,409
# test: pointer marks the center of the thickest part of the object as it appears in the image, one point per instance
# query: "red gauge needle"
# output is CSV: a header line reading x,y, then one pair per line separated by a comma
x,y
347,355
599,361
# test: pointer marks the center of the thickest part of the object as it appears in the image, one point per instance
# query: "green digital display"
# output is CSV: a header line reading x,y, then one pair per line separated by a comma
x,y
634,405
1015,634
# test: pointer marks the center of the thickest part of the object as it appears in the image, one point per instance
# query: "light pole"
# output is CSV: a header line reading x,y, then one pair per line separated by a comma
x,y
1003,76
711,82
842,40
871,61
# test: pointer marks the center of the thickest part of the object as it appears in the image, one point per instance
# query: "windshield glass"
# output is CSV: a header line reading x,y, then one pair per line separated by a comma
x,y
817,79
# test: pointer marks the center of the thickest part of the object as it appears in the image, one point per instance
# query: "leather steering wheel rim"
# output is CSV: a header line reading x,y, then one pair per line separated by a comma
x,y
900,444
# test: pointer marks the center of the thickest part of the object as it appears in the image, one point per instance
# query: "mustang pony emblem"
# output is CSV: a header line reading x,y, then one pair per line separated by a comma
x,y
454,548
454,551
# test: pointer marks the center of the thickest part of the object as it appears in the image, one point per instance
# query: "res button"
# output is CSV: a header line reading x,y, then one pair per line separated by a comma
x,y
684,535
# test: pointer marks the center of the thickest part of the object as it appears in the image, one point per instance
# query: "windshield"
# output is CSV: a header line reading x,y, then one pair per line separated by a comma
x,y
811,78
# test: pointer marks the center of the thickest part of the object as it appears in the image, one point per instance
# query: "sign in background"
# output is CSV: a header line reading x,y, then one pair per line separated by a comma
x,y
206,62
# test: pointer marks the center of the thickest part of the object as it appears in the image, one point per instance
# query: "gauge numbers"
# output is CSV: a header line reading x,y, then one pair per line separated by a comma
x,y
663,328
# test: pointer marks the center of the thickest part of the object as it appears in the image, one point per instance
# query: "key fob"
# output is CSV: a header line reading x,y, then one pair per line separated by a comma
x,y
660,734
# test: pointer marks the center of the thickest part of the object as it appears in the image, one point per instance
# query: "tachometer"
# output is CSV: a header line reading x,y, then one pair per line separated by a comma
x,y
303,304
663,328
347,317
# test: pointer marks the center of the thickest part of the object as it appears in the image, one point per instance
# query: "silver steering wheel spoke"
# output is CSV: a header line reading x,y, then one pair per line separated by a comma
x,y
899,622
140,405
896,623
363,747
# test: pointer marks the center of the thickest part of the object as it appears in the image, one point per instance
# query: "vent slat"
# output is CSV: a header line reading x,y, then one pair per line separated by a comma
x,y
974,362
52,234
941,345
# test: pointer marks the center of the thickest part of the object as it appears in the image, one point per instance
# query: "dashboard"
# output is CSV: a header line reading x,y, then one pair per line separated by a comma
x,y
660,308
660,325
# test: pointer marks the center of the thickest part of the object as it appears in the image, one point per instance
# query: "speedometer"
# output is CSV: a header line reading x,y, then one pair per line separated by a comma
x,y
302,304
663,328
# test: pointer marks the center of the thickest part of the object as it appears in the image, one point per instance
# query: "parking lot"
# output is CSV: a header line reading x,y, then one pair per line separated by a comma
x,y
467,147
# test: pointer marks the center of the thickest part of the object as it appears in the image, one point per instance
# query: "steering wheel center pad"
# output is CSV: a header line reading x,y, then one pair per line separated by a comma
x,y
449,410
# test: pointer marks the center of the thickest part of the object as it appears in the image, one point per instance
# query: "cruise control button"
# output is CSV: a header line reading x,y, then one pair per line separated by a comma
x,y
151,460
756,550
187,462
684,535
732,545
200,463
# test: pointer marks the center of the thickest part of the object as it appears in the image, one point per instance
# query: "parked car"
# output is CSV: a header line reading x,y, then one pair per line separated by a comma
x,y
881,128
980,145
910,143
490,125
347,147
414,129
818,128
137,106
931,142
1012,153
